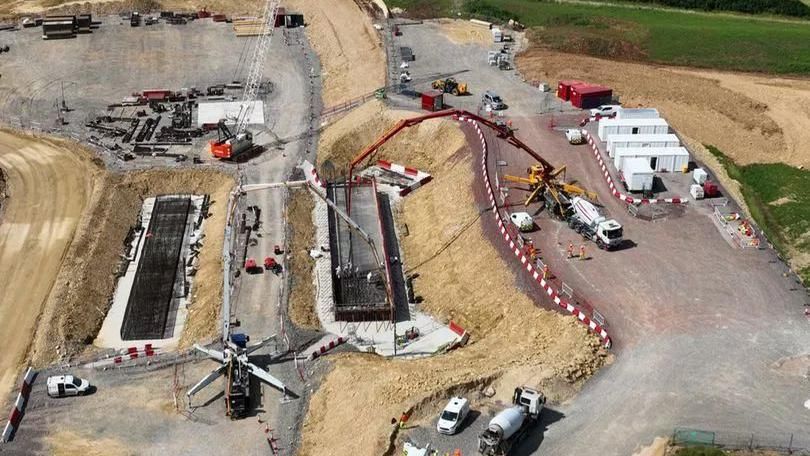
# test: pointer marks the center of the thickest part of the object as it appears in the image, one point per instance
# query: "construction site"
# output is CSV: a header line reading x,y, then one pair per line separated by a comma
x,y
243,227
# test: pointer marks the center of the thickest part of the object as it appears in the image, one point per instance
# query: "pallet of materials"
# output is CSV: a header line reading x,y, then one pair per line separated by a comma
x,y
248,26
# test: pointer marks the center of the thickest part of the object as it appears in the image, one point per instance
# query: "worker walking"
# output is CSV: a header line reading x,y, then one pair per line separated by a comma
x,y
582,252
570,249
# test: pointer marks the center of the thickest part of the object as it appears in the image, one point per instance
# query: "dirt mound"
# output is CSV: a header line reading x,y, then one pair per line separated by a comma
x,y
67,443
344,139
351,53
461,276
465,32
301,239
83,290
698,107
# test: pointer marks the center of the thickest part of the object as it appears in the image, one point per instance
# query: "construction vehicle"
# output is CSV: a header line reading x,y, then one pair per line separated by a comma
x,y
241,140
552,187
228,144
451,86
511,425
235,363
586,220
574,136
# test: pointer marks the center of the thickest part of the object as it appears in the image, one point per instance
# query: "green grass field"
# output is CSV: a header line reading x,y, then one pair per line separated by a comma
x,y
708,40
779,200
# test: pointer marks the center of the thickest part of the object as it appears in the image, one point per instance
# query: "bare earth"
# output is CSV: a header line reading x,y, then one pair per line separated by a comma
x,y
461,277
49,186
350,50
465,32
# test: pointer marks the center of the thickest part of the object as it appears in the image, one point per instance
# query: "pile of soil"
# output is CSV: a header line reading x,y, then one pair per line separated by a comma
x,y
461,277
343,140
82,293
349,48
301,240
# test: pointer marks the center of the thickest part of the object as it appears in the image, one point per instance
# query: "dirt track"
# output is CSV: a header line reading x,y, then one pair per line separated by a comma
x,y
38,225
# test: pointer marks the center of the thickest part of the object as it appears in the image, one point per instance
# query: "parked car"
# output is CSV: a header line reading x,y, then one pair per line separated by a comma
x,y
67,385
453,416
605,110
492,100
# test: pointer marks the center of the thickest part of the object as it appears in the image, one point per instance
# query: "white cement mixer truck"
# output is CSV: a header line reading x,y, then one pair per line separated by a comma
x,y
586,220
511,425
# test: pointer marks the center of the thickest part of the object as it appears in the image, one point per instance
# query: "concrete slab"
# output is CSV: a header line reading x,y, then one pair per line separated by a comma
x,y
110,334
210,113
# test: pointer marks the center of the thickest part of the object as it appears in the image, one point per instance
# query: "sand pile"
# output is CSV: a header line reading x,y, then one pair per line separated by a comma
x,y
344,139
465,32
461,276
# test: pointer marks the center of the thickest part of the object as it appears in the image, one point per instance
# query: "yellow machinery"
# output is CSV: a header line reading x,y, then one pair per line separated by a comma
x,y
555,185
451,86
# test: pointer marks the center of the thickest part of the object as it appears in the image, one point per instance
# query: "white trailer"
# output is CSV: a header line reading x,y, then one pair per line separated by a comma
x,y
497,35
637,174
637,113
608,127
616,141
661,159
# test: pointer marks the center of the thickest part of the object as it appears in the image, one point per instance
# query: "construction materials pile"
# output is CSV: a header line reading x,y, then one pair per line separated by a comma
x,y
513,342
250,26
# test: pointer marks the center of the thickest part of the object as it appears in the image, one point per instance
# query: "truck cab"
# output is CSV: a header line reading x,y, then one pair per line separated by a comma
x,y
529,398
609,234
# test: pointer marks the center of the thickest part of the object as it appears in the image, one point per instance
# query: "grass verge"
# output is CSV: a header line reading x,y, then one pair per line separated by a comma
x,y
778,198
666,36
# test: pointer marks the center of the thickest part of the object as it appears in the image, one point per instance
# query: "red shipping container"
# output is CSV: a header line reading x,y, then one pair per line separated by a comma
x,y
432,100
586,96
564,89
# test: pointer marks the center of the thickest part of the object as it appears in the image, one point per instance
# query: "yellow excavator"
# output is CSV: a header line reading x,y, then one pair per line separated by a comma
x,y
450,85
559,192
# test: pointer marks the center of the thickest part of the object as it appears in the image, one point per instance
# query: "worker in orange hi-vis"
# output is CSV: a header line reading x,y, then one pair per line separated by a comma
x,y
570,249
582,252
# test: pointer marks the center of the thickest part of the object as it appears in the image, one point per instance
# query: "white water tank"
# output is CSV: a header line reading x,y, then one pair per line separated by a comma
x,y
509,421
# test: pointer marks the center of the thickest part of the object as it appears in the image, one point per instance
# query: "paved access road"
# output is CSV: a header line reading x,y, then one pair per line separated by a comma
x,y
700,327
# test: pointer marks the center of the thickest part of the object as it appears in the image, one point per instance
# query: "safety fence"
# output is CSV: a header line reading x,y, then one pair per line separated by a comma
x,y
780,443
541,275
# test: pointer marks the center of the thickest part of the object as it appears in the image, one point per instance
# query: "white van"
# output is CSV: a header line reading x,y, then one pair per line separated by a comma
x,y
453,416
67,385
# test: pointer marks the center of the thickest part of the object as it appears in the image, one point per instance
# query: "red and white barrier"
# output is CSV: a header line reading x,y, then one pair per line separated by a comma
x,y
420,177
15,417
614,191
327,348
124,355
529,267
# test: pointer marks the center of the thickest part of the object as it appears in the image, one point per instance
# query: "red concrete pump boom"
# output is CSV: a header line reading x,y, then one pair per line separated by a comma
x,y
547,168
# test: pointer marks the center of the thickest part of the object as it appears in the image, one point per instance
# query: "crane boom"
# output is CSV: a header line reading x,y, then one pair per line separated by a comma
x,y
257,64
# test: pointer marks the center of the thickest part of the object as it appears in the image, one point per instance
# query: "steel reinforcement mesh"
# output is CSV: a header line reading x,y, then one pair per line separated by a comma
x,y
150,299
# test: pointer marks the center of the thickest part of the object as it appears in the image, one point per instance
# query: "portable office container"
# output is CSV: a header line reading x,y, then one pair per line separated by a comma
x,y
616,141
609,127
637,113
637,174
661,159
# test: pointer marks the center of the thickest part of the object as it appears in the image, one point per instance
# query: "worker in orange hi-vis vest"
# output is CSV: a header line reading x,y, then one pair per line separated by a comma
x,y
582,252
570,249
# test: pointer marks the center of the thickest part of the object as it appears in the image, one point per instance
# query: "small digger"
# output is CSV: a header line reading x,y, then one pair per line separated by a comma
x,y
451,86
